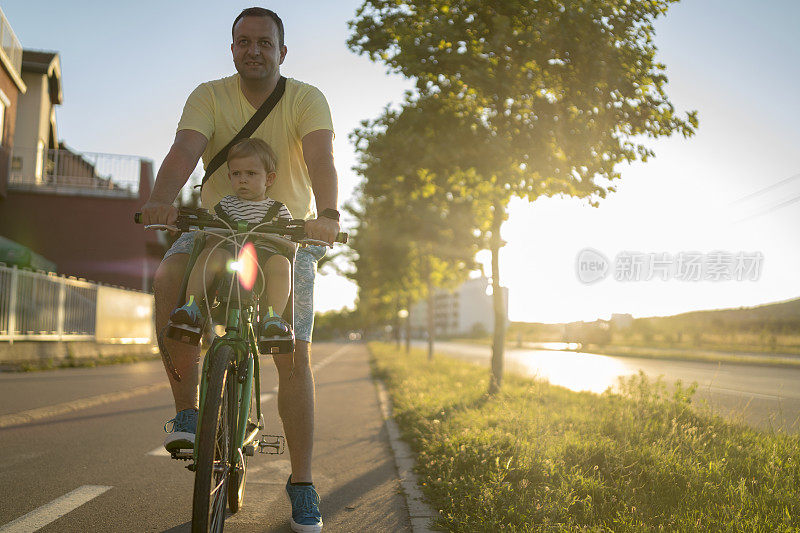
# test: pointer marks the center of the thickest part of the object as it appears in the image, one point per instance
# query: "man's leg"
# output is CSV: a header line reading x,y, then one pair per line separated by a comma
x,y
296,386
296,407
296,396
185,358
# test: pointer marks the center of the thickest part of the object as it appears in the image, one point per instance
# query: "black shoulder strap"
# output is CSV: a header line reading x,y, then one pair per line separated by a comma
x,y
248,129
272,212
223,215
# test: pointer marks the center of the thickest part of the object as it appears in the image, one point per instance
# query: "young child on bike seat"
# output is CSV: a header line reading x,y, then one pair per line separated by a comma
x,y
252,171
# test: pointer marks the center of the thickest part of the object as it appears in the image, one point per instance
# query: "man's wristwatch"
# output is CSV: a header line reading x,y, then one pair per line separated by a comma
x,y
333,214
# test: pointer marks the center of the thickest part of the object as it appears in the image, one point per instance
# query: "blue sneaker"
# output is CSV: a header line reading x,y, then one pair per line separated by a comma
x,y
306,517
190,314
181,435
275,335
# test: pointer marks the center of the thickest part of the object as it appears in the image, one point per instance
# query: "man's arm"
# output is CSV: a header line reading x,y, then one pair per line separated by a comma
x,y
181,160
318,155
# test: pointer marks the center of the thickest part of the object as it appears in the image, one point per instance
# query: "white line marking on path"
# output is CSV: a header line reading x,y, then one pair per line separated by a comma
x,y
32,415
267,396
335,355
746,393
38,518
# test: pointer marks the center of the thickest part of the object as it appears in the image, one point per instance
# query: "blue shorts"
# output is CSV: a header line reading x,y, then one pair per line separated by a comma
x,y
305,269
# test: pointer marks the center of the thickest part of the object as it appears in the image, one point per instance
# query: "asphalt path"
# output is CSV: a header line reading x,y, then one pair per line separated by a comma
x,y
102,468
765,397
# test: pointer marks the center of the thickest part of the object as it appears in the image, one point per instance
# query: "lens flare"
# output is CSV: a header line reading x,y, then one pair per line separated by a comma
x,y
248,261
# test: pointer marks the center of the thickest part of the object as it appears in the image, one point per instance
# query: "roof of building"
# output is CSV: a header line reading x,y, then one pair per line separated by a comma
x,y
37,60
48,63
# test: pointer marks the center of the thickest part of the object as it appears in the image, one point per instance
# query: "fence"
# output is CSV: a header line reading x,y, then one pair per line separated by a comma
x,y
69,172
38,306
10,44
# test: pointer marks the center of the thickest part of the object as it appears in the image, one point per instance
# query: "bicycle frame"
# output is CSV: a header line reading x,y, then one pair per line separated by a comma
x,y
241,378
239,335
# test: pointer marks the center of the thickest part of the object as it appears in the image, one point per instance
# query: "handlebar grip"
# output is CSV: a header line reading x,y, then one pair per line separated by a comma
x,y
137,218
342,237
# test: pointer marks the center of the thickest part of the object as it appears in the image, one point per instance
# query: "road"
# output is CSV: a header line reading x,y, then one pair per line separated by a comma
x,y
766,397
102,466
81,448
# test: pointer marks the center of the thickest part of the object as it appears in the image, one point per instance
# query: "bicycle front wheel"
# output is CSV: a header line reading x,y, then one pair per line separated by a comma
x,y
238,473
212,468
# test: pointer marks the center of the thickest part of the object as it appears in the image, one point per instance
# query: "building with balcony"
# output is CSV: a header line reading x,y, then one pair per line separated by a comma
x,y
73,208
36,134
467,310
11,87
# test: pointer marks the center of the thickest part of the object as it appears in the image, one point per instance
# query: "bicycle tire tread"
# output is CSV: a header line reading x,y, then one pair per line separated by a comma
x,y
206,439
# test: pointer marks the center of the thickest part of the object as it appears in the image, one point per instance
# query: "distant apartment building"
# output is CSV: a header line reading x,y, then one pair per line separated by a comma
x,y
74,209
466,310
621,320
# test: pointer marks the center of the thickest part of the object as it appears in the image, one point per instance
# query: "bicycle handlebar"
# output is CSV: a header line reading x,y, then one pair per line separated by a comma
x,y
200,219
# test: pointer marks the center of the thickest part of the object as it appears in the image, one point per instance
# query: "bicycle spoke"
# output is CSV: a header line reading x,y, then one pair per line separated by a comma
x,y
218,517
215,489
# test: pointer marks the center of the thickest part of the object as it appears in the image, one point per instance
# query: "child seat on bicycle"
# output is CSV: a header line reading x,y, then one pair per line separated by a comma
x,y
252,171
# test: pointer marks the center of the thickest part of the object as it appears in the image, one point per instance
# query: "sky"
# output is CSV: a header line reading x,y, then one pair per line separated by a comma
x,y
127,69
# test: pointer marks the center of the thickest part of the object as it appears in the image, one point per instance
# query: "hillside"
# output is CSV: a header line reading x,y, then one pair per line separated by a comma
x,y
770,328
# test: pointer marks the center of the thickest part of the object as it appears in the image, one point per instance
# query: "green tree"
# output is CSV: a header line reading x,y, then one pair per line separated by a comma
x,y
557,92
379,253
405,200
336,325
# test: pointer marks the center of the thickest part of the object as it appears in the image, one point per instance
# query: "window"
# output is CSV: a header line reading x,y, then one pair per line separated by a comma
x,y
39,160
4,103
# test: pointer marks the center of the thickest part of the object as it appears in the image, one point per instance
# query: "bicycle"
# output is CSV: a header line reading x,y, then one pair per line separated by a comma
x,y
227,432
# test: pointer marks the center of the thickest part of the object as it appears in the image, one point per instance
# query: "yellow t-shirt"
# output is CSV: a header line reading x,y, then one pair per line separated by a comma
x,y
218,110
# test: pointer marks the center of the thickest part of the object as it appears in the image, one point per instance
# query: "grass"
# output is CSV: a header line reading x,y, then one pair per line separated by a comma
x,y
537,457
74,362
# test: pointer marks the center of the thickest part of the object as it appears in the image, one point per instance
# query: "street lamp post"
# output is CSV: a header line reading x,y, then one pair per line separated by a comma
x,y
402,314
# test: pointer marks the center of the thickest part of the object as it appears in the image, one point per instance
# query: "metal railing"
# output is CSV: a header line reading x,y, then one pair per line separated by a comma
x,y
11,45
39,306
70,172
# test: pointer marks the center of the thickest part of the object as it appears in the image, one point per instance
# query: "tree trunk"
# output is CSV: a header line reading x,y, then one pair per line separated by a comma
x,y
431,318
498,342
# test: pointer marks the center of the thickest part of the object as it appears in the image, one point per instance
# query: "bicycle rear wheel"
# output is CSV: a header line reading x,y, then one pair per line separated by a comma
x,y
212,468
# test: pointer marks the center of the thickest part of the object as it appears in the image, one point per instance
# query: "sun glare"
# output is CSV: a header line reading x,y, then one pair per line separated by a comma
x,y
573,370
247,266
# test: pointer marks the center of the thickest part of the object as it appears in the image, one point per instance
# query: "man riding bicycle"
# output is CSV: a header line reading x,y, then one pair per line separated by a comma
x,y
300,130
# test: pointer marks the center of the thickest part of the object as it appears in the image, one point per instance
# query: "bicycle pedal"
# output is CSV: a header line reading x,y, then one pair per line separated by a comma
x,y
272,444
184,333
276,345
183,454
